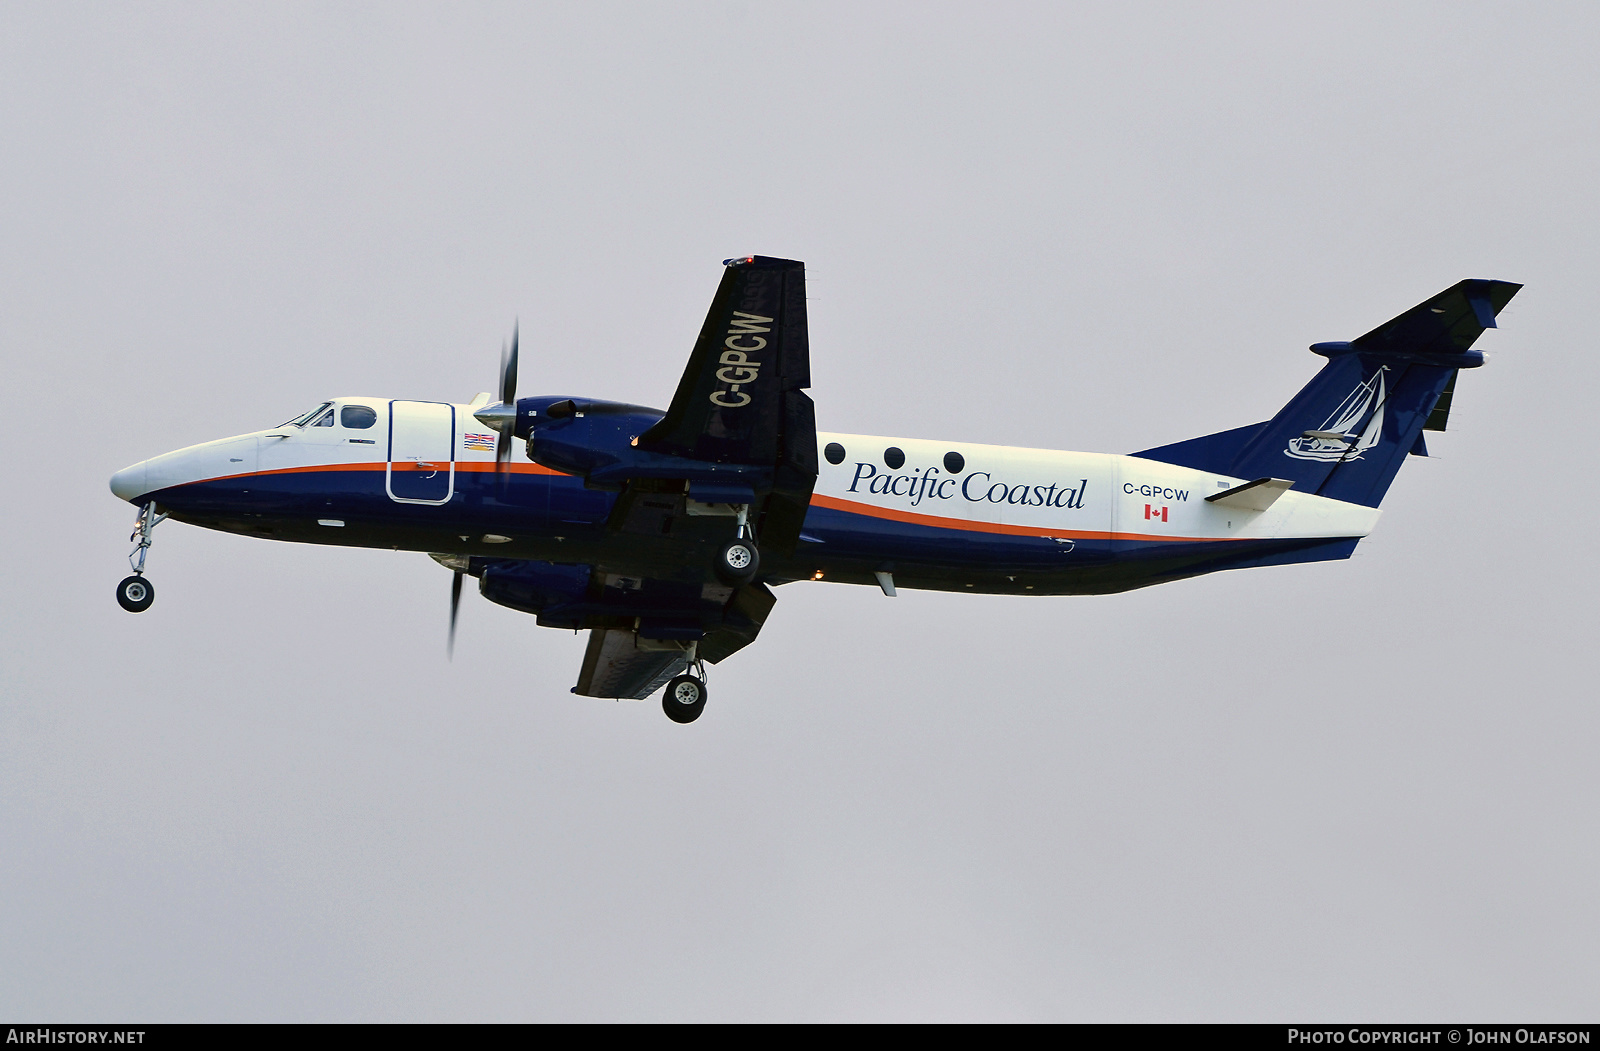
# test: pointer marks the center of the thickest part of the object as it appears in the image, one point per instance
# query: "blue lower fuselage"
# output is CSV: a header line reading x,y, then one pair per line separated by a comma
x,y
552,517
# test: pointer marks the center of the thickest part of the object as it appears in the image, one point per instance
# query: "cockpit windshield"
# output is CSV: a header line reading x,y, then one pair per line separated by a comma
x,y
300,421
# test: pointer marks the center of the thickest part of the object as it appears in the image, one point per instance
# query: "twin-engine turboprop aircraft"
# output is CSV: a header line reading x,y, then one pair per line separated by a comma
x,y
662,533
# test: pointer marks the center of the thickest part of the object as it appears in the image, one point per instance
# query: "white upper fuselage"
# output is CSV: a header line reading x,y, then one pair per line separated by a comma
x,y
1041,492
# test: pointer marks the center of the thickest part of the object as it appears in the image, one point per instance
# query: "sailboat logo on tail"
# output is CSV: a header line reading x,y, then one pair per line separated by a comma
x,y
1337,439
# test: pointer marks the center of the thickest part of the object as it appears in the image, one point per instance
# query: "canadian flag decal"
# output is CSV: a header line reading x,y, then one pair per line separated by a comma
x,y
1159,513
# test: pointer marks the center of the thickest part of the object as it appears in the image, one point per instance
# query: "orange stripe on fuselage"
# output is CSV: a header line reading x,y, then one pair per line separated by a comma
x,y
462,467
834,503
482,466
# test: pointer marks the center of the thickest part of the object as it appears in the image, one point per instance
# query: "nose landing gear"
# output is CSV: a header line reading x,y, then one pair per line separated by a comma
x,y
135,593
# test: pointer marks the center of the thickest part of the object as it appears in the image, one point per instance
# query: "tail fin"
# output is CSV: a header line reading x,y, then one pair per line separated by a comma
x,y
1346,433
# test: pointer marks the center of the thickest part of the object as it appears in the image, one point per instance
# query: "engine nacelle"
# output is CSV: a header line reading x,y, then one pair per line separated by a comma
x,y
532,587
581,435
596,441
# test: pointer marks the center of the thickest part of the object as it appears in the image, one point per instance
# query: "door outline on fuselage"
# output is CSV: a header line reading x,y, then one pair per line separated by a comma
x,y
388,467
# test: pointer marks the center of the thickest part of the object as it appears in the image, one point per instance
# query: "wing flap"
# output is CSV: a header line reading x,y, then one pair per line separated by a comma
x,y
742,620
619,664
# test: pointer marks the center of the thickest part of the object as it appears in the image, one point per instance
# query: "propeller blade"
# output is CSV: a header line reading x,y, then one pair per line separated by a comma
x,y
455,606
508,397
502,450
508,371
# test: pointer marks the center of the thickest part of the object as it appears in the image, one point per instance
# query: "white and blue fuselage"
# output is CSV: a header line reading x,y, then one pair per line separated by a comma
x,y
934,514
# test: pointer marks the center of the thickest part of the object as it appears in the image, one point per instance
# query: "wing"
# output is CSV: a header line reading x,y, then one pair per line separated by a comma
x,y
752,350
626,662
741,400
740,431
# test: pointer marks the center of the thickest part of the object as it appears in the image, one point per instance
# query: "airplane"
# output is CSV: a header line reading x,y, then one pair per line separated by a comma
x,y
663,533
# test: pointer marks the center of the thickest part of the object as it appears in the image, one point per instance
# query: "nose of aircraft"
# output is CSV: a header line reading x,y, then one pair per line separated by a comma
x,y
130,481
183,467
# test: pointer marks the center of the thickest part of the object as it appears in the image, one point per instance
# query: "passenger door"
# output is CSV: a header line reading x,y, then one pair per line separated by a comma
x,y
422,441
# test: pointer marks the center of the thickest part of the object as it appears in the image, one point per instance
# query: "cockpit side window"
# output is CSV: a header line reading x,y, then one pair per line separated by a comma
x,y
325,420
300,421
357,417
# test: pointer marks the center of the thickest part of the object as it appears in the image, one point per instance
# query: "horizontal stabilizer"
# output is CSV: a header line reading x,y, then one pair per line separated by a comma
x,y
1449,323
1252,496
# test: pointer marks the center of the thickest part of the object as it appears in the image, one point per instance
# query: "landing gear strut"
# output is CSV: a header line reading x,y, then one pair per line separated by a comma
x,y
685,696
135,593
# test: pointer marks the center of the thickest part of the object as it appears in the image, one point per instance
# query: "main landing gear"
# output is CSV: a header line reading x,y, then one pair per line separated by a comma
x,y
135,593
739,559
685,696
737,563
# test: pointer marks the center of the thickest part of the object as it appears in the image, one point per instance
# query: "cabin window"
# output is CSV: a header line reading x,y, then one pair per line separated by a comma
x,y
357,417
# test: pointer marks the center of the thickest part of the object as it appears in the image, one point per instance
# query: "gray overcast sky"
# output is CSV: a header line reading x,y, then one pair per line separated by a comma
x,y
1359,790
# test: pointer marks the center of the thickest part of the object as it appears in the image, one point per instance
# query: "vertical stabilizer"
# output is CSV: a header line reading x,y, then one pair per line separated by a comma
x,y
1346,433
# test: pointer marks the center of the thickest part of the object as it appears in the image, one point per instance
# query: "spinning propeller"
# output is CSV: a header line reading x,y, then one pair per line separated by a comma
x,y
508,402
455,605
503,418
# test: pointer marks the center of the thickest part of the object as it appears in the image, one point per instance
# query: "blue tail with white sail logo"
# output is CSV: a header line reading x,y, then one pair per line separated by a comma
x,y
1346,433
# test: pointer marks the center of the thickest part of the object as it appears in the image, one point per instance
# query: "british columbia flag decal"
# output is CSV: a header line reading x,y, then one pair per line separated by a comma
x,y
484,442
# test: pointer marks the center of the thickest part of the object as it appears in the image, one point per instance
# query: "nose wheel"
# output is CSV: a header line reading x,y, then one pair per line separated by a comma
x,y
135,593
